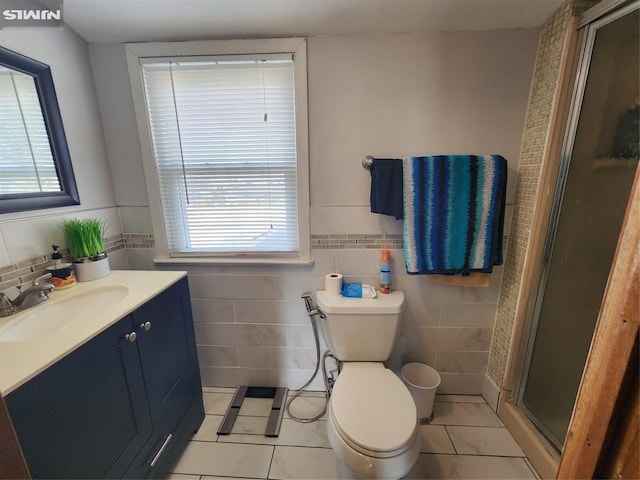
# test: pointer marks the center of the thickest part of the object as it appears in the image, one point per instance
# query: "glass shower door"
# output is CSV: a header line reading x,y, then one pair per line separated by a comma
x,y
600,159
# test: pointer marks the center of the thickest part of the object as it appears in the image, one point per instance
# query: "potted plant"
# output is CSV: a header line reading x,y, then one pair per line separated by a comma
x,y
85,240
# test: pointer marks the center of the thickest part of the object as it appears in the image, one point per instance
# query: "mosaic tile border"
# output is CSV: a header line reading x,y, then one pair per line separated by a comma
x,y
29,270
138,240
351,240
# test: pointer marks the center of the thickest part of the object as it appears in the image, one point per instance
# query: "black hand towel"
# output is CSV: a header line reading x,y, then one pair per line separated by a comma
x,y
386,187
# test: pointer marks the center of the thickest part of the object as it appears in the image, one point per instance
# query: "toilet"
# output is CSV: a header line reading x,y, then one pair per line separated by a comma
x,y
371,416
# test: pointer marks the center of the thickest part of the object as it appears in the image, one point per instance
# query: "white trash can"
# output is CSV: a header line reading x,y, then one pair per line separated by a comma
x,y
422,382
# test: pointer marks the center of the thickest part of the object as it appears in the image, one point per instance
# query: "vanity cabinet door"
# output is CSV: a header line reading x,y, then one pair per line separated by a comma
x,y
167,352
87,415
166,343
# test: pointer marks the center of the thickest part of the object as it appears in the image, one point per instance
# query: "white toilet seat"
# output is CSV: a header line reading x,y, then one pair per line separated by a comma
x,y
372,411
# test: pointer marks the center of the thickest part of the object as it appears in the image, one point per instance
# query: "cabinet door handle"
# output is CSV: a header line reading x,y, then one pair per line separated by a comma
x,y
159,454
131,337
146,326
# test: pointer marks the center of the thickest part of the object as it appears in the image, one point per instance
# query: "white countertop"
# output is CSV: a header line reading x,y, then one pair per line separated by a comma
x,y
23,360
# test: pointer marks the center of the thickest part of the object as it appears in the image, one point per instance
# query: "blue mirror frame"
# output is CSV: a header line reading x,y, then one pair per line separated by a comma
x,y
68,195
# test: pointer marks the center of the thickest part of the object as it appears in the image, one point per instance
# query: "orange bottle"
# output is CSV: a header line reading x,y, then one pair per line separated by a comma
x,y
385,272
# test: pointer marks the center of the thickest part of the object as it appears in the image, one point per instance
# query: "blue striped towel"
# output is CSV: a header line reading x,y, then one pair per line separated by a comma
x,y
453,213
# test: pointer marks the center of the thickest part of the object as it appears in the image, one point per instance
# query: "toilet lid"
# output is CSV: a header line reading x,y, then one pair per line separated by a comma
x,y
373,409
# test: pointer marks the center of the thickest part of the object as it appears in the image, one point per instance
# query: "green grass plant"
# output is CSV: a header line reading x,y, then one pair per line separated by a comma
x,y
85,237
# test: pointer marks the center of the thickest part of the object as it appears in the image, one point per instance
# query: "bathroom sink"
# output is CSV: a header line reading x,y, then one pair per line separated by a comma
x,y
48,317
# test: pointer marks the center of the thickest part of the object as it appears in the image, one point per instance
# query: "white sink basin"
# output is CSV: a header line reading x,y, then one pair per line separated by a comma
x,y
48,318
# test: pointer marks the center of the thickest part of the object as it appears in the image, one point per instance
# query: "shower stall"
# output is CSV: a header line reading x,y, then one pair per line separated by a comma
x,y
599,160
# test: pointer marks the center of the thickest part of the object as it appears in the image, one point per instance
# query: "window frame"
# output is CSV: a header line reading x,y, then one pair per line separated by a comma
x,y
294,46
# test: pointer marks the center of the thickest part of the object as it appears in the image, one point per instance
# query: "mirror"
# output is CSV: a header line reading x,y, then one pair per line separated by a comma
x,y
35,166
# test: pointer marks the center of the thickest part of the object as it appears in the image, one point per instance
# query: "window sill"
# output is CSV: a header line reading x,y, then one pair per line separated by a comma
x,y
287,262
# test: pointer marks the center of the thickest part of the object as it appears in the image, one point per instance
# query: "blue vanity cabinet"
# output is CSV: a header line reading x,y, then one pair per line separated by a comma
x,y
123,405
86,416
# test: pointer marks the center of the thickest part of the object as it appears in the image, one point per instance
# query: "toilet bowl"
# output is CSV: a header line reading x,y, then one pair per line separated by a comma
x,y
371,421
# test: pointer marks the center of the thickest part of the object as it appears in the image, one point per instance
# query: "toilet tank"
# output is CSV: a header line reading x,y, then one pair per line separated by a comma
x,y
360,329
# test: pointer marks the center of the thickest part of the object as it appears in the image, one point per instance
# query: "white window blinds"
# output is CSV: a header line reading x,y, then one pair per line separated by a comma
x,y
26,161
224,143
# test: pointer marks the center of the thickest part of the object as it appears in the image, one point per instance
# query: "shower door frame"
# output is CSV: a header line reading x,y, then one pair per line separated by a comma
x,y
616,10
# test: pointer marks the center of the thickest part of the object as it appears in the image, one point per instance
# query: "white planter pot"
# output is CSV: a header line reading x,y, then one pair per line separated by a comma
x,y
91,268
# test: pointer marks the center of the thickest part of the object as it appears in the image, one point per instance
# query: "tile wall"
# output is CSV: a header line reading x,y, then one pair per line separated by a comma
x,y
252,327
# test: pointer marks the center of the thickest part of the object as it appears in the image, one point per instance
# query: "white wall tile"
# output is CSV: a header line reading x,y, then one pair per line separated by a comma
x,y
118,260
455,338
461,362
324,261
422,314
306,407
208,310
358,262
271,311
222,356
277,357
234,334
491,393
236,286
411,356
293,287
234,376
461,383
302,336
427,289
218,356
141,258
468,314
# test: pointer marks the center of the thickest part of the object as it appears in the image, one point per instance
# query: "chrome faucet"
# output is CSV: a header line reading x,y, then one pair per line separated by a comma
x,y
35,294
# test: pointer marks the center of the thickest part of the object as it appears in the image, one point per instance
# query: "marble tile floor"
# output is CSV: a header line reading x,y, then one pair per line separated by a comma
x,y
465,440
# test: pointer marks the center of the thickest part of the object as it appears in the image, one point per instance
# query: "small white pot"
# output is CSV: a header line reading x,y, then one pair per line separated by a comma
x,y
91,268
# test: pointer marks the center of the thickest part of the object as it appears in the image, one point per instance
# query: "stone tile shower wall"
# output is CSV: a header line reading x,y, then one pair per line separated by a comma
x,y
544,84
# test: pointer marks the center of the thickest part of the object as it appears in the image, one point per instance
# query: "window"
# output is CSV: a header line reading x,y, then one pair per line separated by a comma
x,y
228,147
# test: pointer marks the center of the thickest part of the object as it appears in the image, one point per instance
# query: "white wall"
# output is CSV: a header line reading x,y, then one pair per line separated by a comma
x,y
25,235
401,95
383,95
